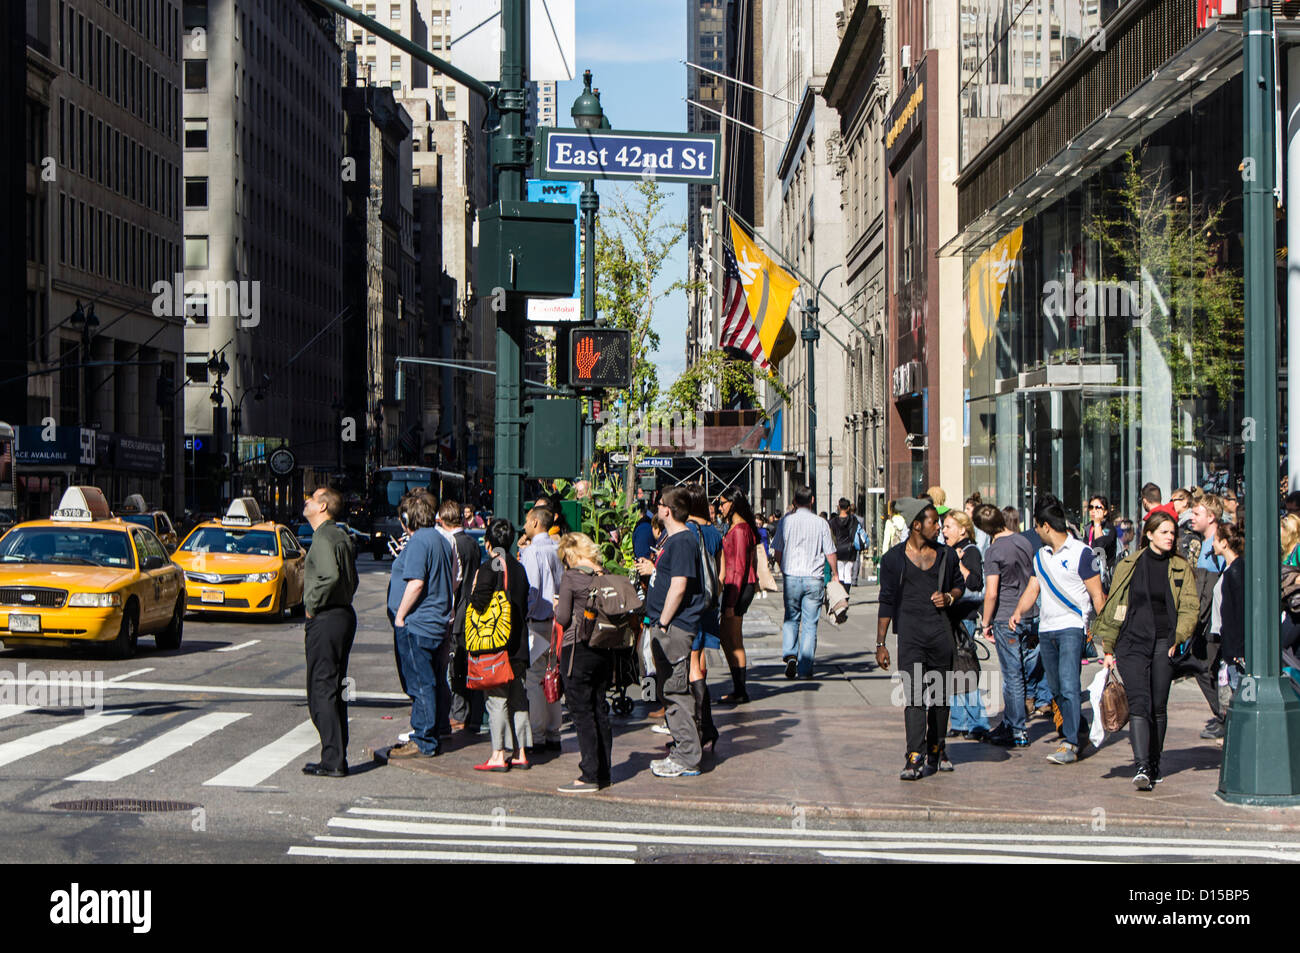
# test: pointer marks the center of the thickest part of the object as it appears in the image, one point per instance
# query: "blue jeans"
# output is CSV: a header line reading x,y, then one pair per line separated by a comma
x,y
1011,660
422,666
1062,652
803,605
967,706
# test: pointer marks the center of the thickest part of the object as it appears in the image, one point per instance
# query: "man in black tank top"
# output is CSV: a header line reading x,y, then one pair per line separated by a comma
x,y
919,580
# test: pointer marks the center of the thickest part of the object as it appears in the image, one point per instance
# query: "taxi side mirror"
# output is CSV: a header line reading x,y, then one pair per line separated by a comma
x,y
154,562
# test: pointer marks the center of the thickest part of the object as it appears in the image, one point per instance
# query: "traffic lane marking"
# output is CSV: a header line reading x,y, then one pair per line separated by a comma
x,y
213,689
241,645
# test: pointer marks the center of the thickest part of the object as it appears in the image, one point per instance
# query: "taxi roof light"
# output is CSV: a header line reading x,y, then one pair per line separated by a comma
x,y
135,504
82,504
243,511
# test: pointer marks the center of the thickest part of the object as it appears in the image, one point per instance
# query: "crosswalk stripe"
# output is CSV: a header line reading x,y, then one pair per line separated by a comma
x,y
165,745
8,711
11,751
241,645
777,839
264,762
453,855
510,845
810,834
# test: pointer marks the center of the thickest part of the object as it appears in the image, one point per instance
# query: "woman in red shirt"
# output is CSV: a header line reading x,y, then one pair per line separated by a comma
x,y
739,581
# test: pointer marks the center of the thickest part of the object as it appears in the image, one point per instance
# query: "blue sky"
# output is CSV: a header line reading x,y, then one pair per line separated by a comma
x,y
632,50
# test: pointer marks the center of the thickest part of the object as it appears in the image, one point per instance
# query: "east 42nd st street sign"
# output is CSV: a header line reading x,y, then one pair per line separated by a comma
x,y
598,154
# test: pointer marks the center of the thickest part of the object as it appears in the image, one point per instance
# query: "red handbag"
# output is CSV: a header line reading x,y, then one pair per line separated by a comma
x,y
489,670
551,677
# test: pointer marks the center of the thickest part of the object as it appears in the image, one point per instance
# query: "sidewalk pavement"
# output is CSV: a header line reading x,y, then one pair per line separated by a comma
x,y
834,746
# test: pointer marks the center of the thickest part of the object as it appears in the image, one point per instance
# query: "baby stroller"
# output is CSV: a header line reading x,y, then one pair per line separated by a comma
x,y
626,673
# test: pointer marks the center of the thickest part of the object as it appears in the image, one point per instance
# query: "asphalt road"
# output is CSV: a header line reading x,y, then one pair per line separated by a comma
x,y
221,726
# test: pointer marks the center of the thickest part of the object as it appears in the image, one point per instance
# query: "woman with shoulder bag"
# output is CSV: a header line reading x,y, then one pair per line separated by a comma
x,y
1151,610
739,583
968,717
507,705
587,671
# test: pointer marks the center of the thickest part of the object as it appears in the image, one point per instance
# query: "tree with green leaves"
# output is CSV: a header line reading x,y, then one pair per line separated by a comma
x,y
634,239
730,378
1148,233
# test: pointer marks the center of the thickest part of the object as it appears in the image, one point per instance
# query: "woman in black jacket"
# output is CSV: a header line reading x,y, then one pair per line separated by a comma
x,y
1100,532
507,705
968,717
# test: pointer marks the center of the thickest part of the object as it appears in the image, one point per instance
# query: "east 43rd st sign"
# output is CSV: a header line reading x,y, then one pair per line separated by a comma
x,y
598,154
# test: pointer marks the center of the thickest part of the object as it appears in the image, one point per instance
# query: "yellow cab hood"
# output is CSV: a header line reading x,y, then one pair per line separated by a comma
x,y
61,576
225,563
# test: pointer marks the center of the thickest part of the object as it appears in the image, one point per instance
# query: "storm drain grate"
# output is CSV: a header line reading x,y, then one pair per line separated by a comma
x,y
123,805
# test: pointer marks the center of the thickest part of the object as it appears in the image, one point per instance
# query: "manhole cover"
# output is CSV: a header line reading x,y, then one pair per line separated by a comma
x,y
123,805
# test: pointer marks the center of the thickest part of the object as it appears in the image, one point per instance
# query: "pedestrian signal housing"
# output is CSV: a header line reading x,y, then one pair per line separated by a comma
x,y
600,357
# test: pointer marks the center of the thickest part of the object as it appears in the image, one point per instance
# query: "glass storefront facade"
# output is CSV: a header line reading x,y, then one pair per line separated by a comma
x,y
1103,330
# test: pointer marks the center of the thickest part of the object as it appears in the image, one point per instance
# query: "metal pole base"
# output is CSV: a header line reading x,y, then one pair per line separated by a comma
x,y
1261,745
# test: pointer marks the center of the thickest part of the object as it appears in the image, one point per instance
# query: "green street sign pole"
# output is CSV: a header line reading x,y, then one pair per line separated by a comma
x,y
1261,745
510,156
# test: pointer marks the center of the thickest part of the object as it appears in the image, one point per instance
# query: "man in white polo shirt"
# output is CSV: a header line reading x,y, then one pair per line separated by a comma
x,y
1067,578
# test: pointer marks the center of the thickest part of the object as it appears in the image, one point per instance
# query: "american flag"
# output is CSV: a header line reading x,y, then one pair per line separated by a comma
x,y
738,329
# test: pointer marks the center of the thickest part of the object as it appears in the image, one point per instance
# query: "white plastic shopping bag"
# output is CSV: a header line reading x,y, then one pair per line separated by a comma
x,y
1097,733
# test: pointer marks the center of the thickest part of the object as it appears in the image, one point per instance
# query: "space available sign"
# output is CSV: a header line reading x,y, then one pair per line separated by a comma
x,y
55,446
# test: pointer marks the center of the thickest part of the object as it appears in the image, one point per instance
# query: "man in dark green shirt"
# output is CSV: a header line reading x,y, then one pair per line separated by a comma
x,y
330,580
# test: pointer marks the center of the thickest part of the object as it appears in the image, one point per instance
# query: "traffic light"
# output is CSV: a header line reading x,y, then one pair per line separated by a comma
x,y
600,357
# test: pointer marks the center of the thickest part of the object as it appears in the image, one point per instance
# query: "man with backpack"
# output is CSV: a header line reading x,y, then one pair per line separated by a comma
x,y
674,603
844,529
803,546
1065,574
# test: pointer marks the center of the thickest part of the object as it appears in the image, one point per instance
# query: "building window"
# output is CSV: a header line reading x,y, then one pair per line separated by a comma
x,y
395,12
451,94
196,133
395,64
196,368
196,251
196,309
196,192
196,75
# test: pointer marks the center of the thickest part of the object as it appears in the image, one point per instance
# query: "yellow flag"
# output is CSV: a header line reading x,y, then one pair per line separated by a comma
x,y
769,289
985,284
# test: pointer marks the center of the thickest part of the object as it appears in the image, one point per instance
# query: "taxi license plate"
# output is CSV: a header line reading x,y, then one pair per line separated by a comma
x,y
212,595
24,623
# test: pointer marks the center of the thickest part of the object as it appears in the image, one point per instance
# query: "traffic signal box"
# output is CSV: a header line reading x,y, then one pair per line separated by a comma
x,y
552,438
599,357
526,248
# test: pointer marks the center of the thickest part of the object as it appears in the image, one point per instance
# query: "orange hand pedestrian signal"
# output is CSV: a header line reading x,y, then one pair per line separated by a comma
x,y
585,358
600,357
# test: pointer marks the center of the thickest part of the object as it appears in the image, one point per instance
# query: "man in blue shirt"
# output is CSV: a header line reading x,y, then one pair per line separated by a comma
x,y
424,611
541,562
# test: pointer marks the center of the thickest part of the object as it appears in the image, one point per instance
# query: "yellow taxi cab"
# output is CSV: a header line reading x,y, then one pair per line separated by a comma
x,y
85,577
242,563
135,510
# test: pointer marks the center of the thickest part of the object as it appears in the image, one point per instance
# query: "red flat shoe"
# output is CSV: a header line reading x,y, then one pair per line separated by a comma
x,y
488,766
521,765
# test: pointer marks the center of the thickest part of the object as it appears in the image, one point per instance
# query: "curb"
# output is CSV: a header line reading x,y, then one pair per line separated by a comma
x,y
915,814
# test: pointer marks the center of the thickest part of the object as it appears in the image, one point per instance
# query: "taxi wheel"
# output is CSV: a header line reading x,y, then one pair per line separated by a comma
x,y
286,610
124,644
169,638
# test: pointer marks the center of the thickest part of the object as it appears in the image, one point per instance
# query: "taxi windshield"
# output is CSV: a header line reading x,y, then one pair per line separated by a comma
x,y
68,546
139,519
218,539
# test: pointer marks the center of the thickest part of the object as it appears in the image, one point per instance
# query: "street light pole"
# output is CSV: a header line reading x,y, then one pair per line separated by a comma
x,y
1261,745
810,334
588,114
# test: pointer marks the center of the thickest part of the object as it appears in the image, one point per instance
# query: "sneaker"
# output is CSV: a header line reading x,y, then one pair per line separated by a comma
x,y
661,729
791,667
1020,741
1142,780
978,733
938,759
913,768
578,787
1004,736
1213,730
1064,754
668,768
404,737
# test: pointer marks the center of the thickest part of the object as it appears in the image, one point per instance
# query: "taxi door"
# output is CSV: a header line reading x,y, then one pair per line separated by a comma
x,y
169,576
150,582
294,561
